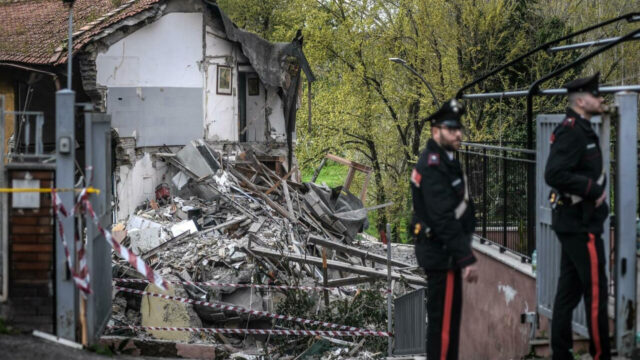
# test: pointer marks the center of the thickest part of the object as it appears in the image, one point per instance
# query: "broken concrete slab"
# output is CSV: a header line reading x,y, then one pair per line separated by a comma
x,y
143,240
183,227
169,313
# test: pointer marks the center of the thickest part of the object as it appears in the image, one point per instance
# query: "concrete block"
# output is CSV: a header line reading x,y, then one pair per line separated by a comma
x,y
161,312
143,240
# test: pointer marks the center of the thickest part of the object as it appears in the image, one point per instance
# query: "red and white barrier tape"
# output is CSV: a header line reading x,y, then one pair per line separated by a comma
x,y
239,309
285,332
122,251
255,286
81,278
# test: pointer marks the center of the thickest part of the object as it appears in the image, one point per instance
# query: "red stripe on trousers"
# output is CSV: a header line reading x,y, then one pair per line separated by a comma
x,y
593,257
446,321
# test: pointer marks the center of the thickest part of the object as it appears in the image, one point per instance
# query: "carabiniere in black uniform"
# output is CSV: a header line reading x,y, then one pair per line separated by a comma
x,y
443,221
575,172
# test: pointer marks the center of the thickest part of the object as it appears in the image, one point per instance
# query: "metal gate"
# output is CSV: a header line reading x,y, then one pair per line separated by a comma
x,y
98,159
548,246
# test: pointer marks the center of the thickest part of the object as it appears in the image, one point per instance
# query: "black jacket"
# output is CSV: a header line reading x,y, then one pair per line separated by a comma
x,y
573,168
437,188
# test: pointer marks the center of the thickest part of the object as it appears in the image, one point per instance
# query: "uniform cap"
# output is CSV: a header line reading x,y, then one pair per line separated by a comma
x,y
588,84
448,115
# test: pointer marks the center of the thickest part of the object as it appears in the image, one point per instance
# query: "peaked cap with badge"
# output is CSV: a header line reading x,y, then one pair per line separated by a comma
x,y
587,84
448,115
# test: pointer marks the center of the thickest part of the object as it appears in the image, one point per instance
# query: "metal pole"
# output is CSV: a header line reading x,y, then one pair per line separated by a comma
x,y
484,196
4,216
546,92
66,294
389,294
504,203
70,48
625,209
586,44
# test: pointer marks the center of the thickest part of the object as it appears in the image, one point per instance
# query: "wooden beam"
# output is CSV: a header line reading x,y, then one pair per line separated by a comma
x,y
353,280
343,161
279,181
355,251
338,265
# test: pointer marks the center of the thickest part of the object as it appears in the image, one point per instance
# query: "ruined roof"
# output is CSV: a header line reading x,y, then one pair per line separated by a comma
x,y
35,31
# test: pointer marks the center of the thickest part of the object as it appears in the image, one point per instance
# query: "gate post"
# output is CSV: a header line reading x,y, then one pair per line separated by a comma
x,y
66,294
626,205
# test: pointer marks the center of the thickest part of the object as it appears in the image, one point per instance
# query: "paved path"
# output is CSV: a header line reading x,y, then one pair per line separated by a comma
x,y
28,347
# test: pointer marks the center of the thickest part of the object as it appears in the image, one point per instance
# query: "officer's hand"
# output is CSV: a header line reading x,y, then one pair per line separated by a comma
x,y
600,200
470,273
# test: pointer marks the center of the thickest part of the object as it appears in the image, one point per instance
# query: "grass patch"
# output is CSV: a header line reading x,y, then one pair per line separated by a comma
x,y
6,329
332,174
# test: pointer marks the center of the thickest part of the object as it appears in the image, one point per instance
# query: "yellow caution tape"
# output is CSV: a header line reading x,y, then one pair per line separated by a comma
x,y
90,190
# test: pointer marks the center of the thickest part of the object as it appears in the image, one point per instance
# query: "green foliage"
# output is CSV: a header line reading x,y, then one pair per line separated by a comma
x,y
6,329
332,174
373,111
366,309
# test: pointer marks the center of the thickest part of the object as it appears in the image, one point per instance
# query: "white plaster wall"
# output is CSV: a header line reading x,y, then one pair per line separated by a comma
x,y
137,184
221,114
164,53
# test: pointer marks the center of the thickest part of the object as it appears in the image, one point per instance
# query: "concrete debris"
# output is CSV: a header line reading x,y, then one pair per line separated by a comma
x,y
161,312
237,221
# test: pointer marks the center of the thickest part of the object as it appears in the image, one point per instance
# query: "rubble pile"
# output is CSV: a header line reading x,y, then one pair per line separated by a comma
x,y
231,220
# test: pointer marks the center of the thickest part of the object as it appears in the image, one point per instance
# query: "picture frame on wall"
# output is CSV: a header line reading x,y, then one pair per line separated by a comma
x,y
224,83
253,86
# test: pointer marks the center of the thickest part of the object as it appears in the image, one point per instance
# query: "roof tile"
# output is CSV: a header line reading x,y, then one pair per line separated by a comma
x,y
35,31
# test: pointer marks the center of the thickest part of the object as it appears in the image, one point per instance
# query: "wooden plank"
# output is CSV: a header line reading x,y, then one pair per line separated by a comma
x,y
279,181
338,265
353,164
353,280
355,251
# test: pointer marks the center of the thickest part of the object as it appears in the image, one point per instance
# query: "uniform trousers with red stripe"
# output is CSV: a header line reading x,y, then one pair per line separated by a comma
x,y
444,309
582,275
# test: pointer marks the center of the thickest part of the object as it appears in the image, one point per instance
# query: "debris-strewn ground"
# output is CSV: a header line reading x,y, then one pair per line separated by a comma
x,y
235,221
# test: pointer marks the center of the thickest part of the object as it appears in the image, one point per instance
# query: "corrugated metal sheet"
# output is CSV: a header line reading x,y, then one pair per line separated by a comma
x,y
548,246
410,320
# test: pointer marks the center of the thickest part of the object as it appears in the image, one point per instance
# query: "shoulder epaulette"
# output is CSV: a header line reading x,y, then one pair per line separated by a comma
x,y
569,122
433,159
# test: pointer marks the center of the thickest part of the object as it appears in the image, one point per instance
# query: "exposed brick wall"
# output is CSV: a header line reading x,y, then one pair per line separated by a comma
x,y
31,260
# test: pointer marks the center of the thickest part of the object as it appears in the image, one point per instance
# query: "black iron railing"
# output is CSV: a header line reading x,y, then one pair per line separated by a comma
x,y
498,184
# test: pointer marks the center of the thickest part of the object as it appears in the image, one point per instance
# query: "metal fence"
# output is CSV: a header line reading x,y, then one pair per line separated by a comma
x,y
498,184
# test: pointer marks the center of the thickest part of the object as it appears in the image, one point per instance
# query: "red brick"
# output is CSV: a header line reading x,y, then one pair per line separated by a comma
x,y
24,220
44,256
33,265
32,229
45,239
45,221
25,239
19,256
32,247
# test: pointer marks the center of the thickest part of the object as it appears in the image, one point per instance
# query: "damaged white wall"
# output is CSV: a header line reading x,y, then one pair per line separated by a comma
x,y
154,81
137,184
161,82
